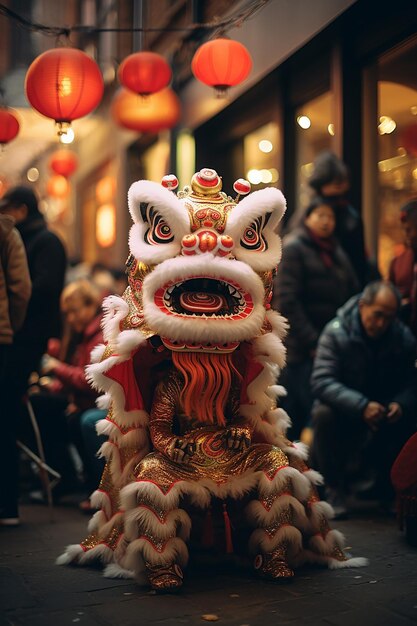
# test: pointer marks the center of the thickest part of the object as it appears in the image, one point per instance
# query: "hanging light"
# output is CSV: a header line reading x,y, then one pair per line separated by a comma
x,y
64,84
57,186
159,111
63,162
144,73
221,63
9,125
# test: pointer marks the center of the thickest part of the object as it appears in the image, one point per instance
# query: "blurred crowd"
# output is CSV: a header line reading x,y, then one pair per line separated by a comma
x,y
50,322
351,348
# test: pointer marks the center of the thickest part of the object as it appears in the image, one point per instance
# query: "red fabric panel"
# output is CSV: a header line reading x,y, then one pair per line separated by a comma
x,y
404,469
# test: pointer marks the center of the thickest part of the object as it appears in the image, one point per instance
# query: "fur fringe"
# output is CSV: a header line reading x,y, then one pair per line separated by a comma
x,y
100,499
115,311
103,402
72,554
135,437
314,477
75,554
299,483
297,449
142,550
260,541
175,523
258,515
115,571
325,545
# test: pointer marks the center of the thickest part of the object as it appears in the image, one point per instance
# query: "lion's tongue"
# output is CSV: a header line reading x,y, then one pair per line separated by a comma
x,y
201,302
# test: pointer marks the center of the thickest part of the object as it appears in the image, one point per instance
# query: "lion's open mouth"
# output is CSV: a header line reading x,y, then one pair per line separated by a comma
x,y
204,298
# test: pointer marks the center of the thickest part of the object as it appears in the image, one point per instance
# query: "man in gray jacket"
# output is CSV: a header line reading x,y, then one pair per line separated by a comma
x,y
15,291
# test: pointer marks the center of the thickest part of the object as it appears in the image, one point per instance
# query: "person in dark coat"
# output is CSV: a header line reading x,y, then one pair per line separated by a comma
x,y
15,289
46,259
330,181
364,381
403,269
314,278
47,262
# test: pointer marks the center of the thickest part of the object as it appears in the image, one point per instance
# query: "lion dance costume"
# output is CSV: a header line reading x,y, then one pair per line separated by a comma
x,y
188,372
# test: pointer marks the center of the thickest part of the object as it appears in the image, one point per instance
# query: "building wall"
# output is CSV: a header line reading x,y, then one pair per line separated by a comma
x,y
272,35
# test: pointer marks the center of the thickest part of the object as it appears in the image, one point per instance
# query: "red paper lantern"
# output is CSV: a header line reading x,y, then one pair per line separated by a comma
x,y
63,162
144,73
221,63
64,84
158,111
409,139
57,186
9,125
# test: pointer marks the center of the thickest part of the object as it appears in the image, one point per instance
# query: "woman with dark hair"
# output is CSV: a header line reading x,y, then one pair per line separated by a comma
x,y
314,278
330,181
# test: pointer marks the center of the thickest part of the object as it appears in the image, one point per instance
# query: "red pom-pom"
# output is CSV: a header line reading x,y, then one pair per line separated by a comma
x,y
170,181
242,186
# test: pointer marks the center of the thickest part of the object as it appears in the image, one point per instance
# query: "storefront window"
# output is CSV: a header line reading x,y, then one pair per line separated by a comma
x,y
397,146
260,156
315,128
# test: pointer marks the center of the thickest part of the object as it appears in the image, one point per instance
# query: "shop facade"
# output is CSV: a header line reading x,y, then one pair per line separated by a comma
x,y
352,89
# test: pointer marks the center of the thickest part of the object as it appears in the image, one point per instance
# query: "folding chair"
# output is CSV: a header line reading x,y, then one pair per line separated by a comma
x,y
45,471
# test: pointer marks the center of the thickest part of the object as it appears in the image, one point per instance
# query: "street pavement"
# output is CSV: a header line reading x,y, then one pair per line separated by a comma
x,y
34,591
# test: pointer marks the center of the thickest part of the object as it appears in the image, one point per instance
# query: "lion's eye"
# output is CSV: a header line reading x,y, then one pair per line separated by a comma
x,y
252,237
158,231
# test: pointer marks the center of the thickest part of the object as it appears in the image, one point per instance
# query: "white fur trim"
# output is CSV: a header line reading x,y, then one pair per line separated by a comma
x,y
263,542
141,550
71,555
164,201
75,554
358,561
176,522
278,322
134,437
103,402
115,571
106,528
101,500
151,254
110,451
298,449
259,203
314,477
299,484
181,328
97,521
258,515
96,376
127,341
97,353
325,545
131,494
115,311
307,556
169,207
276,391
269,349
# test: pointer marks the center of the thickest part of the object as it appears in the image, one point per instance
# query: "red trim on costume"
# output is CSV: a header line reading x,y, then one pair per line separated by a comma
x,y
144,506
144,480
275,473
123,374
124,432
